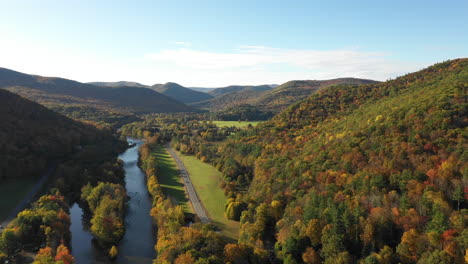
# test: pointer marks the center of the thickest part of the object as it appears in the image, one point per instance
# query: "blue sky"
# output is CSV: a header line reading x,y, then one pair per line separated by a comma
x,y
216,43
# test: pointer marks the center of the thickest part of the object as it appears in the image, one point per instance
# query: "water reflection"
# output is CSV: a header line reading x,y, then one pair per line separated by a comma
x,y
137,245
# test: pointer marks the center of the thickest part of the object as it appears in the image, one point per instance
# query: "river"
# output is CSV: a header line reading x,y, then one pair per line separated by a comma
x,y
137,245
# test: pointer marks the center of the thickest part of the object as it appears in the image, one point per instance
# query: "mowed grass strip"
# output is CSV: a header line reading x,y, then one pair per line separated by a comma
x,y
170,180
240,124
11,193
206,180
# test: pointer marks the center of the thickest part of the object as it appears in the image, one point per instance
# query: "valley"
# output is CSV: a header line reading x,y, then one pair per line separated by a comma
x,y
346,170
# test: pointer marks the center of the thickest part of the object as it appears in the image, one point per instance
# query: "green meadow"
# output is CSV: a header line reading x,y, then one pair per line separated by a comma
x,y
206,180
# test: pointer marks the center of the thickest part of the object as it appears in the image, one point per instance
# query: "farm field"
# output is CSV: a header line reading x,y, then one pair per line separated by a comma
x,y
240,124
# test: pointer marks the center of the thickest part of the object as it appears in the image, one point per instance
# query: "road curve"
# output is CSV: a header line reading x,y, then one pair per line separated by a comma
x,y
193,197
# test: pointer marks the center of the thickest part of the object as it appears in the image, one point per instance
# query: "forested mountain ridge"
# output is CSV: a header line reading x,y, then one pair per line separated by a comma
x,y
237,88
119,84
373,173
58,92
295,91
180,93
228,100
32,135
273,99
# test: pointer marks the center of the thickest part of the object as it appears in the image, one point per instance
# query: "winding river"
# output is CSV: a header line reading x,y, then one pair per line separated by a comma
x,y
137,245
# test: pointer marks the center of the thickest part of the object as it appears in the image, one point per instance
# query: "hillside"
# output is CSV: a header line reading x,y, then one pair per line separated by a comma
x,y
201,89
119,84
295,91
237,88
59,92
31,136
229,100
373,173
180,93
267,98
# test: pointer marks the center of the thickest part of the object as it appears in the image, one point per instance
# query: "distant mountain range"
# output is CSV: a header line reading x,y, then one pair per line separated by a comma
x,y
78,100
269,98
180,93
58,91
198,94
119,84
237,88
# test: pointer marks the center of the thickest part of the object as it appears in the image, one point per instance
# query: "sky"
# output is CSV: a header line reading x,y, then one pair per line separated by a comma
x,y
225,42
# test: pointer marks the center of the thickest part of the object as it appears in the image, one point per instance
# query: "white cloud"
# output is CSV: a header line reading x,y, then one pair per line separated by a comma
x,y
192,67
258,64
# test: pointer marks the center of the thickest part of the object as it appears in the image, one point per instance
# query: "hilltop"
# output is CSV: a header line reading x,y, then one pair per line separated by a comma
x,y
237,88
267,98
180,93
119,84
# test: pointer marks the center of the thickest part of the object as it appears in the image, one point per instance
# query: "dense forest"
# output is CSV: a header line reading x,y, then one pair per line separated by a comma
x,y
32,137
370,173
374,173
270,99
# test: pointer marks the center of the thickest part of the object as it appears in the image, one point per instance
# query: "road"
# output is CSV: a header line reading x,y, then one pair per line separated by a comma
x,y
192,194
28,197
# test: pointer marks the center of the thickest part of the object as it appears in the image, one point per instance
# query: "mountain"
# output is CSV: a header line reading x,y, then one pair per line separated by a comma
x,y
237,88
267,98
294,91
119,84
229,100
370,173
180,93
53,91
201,89
32,136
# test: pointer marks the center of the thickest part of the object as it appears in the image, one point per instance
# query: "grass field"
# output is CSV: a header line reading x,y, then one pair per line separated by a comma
x,y
206,180
170,180
11,193
240,124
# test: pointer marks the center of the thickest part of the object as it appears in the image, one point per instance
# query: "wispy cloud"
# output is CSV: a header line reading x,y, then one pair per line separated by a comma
x,y
278,65
193,67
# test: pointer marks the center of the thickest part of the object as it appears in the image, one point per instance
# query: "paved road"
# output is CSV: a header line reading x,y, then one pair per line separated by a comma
x,y
28,198
193,197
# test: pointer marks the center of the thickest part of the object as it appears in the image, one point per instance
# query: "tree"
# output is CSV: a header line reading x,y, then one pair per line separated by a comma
x,y
408,248
457,195
9,241
63,255
185,258
332,243
341,258
113,252
438,222
314,232
234,253
44,256
310,256
436,256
